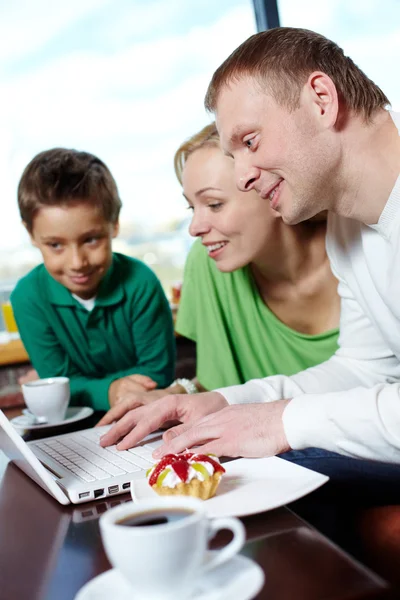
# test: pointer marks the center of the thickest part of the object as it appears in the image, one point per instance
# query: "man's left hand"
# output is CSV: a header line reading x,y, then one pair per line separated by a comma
x,y
249,430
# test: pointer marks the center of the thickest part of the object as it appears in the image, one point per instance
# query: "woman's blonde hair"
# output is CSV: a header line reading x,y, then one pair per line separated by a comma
x,y
208,136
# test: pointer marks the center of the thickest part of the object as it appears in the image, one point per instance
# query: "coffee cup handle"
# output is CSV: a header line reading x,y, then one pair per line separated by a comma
x,y
229,551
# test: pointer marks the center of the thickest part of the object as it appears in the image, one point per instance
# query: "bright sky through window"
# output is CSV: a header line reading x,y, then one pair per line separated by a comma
x,y
124,79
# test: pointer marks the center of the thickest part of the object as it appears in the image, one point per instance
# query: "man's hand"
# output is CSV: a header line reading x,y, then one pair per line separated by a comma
x,y
132,401
138,423
131,384
249,430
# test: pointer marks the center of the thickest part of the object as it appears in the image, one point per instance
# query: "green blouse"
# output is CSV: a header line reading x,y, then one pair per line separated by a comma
x,y
237,337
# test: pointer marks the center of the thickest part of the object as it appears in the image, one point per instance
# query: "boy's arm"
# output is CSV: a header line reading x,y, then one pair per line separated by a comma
x,y
152,333
50,359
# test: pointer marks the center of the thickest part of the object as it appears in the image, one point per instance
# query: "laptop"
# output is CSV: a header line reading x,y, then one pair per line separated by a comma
x,y
73,467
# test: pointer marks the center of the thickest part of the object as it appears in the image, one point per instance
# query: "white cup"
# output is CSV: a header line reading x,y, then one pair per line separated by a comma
x,y
163,562
47,398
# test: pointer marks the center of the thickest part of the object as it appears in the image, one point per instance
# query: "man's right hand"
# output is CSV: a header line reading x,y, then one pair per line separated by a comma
x,y
125,405
140,422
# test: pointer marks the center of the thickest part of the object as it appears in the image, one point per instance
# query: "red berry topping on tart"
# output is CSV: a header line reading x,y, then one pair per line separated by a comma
x,y
207,458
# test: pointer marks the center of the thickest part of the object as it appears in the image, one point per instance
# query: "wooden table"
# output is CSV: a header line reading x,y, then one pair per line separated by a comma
x,y
13,352
48,552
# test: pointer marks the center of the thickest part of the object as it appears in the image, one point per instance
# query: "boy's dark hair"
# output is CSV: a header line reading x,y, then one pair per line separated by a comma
x,y
282,59
59,176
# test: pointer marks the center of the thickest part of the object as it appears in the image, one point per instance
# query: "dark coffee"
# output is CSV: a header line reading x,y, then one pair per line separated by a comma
x,y
155,517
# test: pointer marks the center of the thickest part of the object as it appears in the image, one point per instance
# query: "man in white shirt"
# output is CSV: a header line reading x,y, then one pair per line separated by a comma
x,y
310,132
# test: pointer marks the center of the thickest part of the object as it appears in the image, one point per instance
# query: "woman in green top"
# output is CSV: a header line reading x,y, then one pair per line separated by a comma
x,y
259,297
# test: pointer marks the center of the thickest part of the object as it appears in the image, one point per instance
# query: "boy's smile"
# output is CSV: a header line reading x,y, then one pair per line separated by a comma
x,y
75,242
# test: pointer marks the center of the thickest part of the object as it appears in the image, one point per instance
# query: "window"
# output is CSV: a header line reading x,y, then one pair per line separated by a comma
x,y
367,30
125,80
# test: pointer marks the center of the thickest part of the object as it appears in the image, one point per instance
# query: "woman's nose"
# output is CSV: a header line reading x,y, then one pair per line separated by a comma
x,y
198,225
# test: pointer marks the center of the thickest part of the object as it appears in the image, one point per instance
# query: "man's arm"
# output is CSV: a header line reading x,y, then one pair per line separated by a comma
x,y
363,359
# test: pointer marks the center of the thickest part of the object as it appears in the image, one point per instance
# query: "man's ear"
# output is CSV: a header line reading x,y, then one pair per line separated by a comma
x,y
30,233
115,231
324,99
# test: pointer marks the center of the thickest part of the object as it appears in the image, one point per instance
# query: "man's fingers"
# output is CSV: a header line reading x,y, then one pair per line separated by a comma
x,y
118,411
174,432
196,434
147,424
121,428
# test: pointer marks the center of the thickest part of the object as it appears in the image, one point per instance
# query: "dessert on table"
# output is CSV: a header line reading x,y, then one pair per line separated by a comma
x,y
188,474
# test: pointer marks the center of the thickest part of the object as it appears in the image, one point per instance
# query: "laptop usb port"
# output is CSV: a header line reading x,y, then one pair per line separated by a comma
x,y
84,495
126,486
113,489
98,493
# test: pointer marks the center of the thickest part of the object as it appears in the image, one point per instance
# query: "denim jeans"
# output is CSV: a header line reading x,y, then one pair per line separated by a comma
x,y
370,482
354,484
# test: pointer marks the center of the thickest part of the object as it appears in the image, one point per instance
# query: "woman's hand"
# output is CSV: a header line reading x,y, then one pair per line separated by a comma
x,y
126,386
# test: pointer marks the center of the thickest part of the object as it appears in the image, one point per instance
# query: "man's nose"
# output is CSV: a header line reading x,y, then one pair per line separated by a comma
x,y
246,178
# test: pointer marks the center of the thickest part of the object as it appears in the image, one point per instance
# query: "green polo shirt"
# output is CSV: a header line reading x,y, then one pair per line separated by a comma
x,y
128,331
237,336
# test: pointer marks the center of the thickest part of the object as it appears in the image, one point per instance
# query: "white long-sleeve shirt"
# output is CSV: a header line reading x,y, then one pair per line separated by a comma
x,y
351,403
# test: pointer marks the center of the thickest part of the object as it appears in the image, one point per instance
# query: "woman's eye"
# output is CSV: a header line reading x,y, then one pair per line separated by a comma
x,y
215,205
190,208
249,143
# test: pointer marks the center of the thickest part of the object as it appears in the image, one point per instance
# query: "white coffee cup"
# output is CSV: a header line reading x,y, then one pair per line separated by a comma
x,y
47,399
164,561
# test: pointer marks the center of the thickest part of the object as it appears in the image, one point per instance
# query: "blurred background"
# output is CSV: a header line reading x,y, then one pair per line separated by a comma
x,y
125,80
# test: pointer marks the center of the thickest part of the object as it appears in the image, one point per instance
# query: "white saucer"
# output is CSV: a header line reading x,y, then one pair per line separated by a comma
x,y
240,578
250,486
73,414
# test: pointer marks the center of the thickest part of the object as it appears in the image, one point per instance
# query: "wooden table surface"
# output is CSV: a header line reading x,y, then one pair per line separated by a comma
x,y
13,352
48,552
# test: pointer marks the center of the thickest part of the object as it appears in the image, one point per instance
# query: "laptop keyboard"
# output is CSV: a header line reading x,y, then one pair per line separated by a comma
x,y
82,455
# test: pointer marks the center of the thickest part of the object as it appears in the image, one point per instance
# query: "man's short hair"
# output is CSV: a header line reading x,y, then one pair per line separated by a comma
x,y
282,59
208,136
61,176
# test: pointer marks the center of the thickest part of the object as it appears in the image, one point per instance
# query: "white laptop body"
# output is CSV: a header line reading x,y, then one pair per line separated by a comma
x,y
69,479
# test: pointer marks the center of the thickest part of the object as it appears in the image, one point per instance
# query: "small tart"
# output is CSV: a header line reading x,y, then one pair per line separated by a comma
x,y
187,474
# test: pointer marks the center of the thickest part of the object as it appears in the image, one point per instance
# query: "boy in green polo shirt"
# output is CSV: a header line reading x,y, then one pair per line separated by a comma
x,y
97,317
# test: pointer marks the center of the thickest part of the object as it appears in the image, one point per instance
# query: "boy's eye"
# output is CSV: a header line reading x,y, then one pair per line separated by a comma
x,y
54,245
91,240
